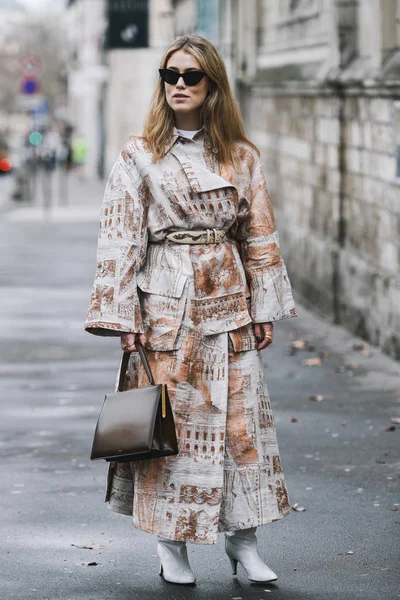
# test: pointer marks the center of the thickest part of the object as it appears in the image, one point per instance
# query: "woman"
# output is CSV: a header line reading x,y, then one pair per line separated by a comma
x,y
189,265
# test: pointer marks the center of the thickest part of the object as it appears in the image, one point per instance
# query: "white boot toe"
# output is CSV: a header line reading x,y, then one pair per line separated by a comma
x,y
241,547
174,566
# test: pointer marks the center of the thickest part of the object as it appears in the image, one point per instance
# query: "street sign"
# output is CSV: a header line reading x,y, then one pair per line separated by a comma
x,y
128,24
29,102
40,113
41,108
30,65
30,86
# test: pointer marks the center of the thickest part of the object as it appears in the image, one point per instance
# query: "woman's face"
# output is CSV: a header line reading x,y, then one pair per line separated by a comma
x,y
180,97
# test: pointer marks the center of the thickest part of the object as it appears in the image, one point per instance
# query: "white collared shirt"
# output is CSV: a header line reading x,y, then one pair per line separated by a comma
x,y
188,133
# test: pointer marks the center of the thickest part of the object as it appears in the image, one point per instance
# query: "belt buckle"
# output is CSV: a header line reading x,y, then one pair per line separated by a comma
x,y
210,233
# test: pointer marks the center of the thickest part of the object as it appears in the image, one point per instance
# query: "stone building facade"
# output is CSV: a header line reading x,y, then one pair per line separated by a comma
x,y
318,82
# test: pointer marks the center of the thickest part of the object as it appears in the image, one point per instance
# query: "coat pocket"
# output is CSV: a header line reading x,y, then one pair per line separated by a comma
x,y
162,314
161,281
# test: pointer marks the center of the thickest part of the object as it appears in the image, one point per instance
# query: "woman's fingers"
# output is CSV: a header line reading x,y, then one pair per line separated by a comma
x,y
128,341
260,331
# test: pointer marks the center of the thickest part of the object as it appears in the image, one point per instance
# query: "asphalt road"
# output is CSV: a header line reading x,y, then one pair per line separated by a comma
x,y
339,461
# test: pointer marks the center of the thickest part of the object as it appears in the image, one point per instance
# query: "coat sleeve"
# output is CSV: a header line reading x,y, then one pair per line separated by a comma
x,y
270,288
114,305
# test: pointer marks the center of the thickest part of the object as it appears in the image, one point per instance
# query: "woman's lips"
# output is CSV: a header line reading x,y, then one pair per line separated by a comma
x,y
180,96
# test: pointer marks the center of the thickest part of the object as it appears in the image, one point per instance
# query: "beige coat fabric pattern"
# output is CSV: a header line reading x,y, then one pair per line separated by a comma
x,y
188,189
196,305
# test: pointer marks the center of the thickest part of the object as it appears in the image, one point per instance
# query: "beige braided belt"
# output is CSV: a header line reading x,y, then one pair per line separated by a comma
x,y
201,236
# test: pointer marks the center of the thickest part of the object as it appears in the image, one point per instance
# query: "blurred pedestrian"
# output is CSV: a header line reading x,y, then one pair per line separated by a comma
x,y
189,266
79,149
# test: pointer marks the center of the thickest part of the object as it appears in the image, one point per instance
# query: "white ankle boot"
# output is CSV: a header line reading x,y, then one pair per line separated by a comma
x,y
241,546
174,566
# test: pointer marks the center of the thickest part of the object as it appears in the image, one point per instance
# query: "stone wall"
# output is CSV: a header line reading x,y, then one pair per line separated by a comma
x,y
370,258
331,169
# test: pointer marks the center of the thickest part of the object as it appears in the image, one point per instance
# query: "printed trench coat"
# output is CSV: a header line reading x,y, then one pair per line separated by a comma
x,y
196,305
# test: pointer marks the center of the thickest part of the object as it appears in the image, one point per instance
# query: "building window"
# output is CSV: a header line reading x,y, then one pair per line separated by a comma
x,y
397,137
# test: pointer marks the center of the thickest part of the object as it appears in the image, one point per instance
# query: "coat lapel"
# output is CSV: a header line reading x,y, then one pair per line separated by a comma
x,y
190,155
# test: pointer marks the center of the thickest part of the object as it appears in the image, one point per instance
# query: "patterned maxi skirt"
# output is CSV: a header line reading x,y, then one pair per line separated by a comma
x,y
228,473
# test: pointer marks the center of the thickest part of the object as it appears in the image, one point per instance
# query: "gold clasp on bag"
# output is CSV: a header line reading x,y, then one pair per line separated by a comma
x,y
163,402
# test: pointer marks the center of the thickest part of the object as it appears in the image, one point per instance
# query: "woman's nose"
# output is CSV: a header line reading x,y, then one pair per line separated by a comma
x,y
180,82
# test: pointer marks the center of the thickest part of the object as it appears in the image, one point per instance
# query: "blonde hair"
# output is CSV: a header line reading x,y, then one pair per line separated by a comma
x,y
220,112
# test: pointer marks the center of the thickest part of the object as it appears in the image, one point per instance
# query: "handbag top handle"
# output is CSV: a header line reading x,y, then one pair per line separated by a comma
x,y
124,366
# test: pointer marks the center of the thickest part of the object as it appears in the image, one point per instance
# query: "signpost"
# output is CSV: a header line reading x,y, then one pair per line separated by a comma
x,y
30,67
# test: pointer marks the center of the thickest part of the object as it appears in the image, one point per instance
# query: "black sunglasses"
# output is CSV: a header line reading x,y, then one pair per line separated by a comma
x,y
190,77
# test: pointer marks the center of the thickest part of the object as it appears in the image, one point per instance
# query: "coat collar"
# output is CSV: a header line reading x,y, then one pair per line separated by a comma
x,y
201,134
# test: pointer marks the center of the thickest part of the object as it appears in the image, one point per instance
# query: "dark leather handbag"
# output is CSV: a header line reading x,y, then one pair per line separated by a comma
x,y
135,424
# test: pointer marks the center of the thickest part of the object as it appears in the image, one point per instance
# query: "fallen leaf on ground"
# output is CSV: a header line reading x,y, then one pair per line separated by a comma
x,y
395,420
89,546
293,419
364,348
92,564
299,344
298,508
390,428
394,508
313,362
317,397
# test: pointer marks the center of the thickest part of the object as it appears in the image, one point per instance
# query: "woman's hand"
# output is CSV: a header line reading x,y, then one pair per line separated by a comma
x,y
128,341
260,329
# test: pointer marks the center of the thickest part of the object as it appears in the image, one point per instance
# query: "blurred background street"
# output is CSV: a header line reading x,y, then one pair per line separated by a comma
x,y
319,87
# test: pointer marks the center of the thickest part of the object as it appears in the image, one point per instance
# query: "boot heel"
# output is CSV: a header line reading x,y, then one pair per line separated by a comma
x,y
161,569
234,564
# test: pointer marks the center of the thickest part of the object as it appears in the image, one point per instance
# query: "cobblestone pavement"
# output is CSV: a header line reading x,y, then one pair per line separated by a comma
x,y
340,462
